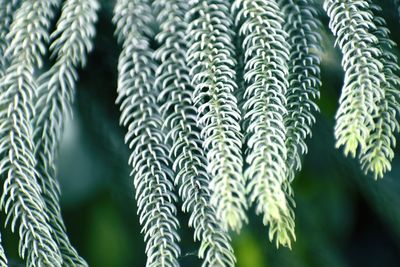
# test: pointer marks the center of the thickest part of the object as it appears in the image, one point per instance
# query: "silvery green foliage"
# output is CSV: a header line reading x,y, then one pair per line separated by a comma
x,y
196,85
352,24
367,117
21,199
71,42
140,114
3,258
303,27
7,9
190,163
380,145
266,57
211,56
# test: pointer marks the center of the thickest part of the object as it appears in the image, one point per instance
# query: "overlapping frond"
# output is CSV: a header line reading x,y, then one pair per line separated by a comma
x,y
3,258
21,199
179,113
266,56
352,24
72,41
380,145
140,113
303,27
211,57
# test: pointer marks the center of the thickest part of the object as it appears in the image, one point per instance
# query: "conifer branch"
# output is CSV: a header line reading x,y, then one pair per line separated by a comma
x,y
380,145
303,27
179,113
211,56
181,74
7,10
72,41
21,199
352,24
140,113
266,57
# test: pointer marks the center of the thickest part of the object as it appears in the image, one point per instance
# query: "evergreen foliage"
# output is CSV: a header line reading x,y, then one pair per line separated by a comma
x,y
71,41
381,143
366,119
266,71
140,114
351,22
183,68
211,56
179,114
7,9
21,199
303,27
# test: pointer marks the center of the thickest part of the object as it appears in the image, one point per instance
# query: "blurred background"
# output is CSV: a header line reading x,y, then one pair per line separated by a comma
x,y
343,217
